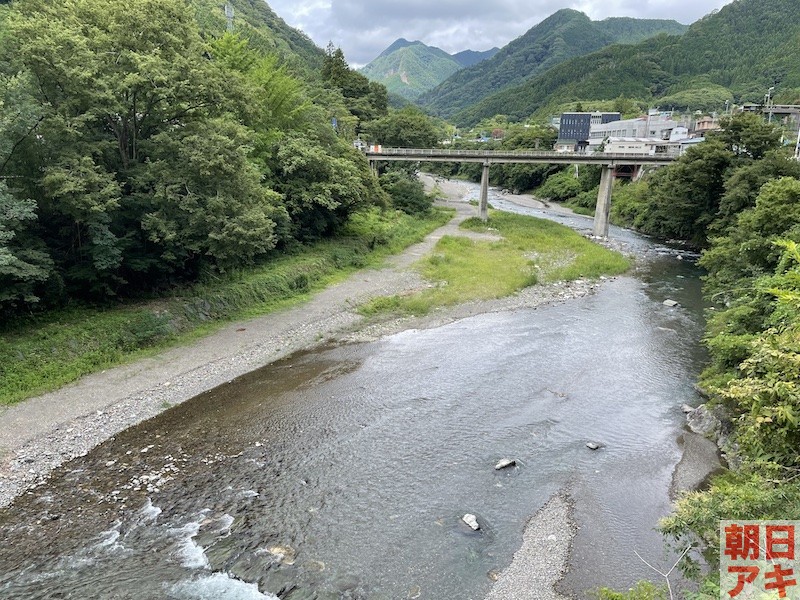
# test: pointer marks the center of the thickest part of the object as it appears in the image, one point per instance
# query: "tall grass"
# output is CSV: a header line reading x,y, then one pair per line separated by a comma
x,y
50,350
531,251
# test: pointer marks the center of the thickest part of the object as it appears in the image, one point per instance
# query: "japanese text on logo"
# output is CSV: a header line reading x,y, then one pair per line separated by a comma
x,y
759,559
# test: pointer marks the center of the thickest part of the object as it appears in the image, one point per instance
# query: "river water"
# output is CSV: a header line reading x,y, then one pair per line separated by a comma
x,y
343,472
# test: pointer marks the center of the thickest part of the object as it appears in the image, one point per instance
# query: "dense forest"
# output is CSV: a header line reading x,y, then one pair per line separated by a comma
x,y
142,146
564,35
734,54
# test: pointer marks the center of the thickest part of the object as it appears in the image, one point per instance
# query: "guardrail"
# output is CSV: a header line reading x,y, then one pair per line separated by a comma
x,y
544,155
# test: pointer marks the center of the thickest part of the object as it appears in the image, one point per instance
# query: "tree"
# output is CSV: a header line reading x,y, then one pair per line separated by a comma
x,y
203,199
24,262
407,192
405,128
683,199
321,182
748,250
119,86
748,135
364,99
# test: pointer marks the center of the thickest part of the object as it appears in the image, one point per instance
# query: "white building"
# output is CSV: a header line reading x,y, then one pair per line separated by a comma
x,y
655,126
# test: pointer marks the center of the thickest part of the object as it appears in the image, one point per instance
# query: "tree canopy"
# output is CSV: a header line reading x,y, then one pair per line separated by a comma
x,y
136,152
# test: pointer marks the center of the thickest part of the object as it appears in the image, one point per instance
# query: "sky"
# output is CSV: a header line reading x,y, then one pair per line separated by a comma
x,y
364,28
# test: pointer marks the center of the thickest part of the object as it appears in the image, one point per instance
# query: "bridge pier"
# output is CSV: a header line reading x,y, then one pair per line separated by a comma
x,y
484,201
603,209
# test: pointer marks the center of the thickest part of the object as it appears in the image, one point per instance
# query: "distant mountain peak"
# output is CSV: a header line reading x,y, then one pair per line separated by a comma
x,y
409,68
398,44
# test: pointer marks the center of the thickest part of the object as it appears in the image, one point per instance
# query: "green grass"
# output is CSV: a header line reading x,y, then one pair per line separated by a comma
x,y
43,353
532,251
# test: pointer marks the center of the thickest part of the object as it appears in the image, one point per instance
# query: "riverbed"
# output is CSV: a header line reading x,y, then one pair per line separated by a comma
x,y
343,472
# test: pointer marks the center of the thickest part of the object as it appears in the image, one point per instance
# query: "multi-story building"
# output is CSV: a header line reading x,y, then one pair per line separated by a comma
x,y
574,128
655,126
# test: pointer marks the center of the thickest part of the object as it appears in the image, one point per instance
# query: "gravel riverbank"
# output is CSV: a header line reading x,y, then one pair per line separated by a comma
x,y
38,435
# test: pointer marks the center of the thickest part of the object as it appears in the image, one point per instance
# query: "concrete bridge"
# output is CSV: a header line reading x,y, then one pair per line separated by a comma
x,y
608,161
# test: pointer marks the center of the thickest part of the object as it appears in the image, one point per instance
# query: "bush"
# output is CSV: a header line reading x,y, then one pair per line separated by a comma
x,y
561,186
407,192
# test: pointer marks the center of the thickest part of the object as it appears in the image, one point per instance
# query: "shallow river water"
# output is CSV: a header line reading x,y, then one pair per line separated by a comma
x,y
343,472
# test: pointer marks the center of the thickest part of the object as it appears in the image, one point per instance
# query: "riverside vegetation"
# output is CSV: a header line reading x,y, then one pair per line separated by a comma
x,y
197,176
737,198
55,348
531,251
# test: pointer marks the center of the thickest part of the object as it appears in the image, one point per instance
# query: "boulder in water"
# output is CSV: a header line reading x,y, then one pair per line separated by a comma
x,y
472,521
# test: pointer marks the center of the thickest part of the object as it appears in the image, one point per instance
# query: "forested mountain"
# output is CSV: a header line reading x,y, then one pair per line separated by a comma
x,y
564,35
411,68
736,54
265,31
142,145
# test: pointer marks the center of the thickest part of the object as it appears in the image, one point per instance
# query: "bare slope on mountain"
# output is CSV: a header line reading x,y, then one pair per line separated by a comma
x,y
410,69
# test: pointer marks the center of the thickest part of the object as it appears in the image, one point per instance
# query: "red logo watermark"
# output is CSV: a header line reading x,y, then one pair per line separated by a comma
x,y
759,559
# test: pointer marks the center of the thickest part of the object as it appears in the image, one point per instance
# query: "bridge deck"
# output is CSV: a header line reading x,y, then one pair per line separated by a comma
x,y
517,156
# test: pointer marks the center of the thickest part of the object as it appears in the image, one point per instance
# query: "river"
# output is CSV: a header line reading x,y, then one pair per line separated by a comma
x,y
343,472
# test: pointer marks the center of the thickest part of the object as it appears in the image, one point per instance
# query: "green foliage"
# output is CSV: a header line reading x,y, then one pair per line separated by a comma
x,y
707,98
462,269
562,36
682,199
748,135
265,32
44,352
757,340
24,264
407,192
139,153
747,251
765,397
321,184
643,590
561,186
743,495
405,128
364,99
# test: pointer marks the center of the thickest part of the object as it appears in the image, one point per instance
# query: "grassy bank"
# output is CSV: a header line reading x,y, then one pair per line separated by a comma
x,y
532,251
46,352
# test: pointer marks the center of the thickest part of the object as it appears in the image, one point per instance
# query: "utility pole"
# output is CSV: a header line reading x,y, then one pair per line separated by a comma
x,y
797,146
769,102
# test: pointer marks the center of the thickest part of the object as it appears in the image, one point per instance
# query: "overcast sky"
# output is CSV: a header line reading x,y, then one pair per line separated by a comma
x,y
364,28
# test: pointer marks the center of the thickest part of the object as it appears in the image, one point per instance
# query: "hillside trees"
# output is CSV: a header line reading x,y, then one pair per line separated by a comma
x,y
365,99
24,263
137,154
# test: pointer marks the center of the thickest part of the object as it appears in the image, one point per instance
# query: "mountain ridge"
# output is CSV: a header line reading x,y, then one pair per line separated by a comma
x,y
565,34
739,48
408,68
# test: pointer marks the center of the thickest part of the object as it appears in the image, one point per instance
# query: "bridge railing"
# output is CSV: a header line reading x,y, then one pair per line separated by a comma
x,y
545,154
